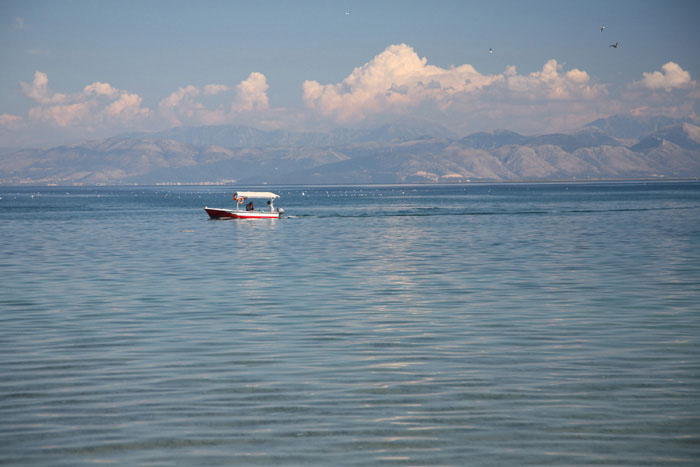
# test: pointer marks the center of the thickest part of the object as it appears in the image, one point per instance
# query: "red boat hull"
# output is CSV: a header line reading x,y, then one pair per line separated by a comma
x,y
217,213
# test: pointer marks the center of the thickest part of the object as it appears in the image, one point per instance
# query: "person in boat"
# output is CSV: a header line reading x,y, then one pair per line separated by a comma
x,y
269,203
249,207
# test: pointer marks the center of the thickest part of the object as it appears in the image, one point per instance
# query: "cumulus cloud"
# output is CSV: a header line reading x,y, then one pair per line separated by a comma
x,y
100,108
185,106
213,89
670,92
398,82
252,93
38,90
670,77
398,79
551,83
97,105
63,115
126,108
100,89
182,107
395,83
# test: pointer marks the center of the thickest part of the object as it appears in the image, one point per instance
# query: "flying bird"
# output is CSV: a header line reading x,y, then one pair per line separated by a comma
x,y
602,27
490,50
347,13
614,46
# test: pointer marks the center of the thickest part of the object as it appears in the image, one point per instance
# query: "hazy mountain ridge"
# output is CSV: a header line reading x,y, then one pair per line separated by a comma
x,y
236,136
620,126
398,153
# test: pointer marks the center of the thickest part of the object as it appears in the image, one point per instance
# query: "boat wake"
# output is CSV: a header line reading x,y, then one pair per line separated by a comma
x,y
442,212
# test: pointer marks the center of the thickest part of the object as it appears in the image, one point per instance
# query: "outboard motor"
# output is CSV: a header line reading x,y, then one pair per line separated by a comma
x,y
281,211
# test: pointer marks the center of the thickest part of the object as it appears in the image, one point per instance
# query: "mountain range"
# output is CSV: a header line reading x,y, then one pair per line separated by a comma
x,y
409,152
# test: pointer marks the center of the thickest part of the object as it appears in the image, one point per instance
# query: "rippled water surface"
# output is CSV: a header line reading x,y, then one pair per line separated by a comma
x,y
402,325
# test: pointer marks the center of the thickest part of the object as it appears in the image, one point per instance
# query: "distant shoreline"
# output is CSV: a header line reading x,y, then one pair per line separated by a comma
x,y
473,182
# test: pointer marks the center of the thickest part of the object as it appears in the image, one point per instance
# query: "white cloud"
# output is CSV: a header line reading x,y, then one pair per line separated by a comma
x,y
39,91
62,115
680,96
97,105
551,83
185,107
100,89
100,108
213,89
252,93
180,106
127,108
398,80
671,77
393,84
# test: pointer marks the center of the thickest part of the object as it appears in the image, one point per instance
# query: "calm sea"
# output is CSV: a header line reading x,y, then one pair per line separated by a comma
x,y
503,324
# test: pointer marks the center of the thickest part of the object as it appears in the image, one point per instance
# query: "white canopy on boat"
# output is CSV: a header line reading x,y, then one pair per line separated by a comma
x,y
255,194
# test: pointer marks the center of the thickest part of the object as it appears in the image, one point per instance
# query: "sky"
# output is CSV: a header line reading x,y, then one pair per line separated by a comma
x,y
73,70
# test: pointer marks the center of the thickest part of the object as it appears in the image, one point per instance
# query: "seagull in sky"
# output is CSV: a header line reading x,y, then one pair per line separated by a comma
x,y
614,46
602,26
347,13
490,50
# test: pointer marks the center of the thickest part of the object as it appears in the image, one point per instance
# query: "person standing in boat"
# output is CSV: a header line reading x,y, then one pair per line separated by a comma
x,y
249,207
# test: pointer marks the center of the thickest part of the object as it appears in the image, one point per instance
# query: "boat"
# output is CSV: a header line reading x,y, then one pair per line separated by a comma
x,y
246,210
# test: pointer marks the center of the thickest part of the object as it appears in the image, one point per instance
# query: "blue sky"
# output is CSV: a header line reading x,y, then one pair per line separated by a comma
x,y
73,70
